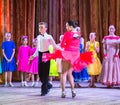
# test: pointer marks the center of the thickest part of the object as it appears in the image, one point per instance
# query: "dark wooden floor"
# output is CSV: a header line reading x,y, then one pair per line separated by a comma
x,y
85,96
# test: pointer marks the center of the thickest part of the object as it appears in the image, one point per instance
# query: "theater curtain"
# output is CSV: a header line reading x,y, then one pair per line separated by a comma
x,y
1,30
21,17
91,15
17,17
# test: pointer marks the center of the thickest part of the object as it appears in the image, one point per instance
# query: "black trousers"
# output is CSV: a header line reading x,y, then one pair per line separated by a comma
x,y
43,71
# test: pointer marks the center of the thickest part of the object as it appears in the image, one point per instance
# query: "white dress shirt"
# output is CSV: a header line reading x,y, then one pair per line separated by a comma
x,y
43,42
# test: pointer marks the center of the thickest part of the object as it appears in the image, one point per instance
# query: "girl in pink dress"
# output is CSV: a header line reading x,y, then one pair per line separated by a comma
x,y
22,60
70,46
34,65
110,74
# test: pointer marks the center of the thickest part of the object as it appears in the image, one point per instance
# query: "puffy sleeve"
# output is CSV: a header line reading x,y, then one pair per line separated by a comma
x,y
87,46
97,44
104,39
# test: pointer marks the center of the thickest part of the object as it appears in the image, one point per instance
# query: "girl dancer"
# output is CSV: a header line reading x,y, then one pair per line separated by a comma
x,y
70,55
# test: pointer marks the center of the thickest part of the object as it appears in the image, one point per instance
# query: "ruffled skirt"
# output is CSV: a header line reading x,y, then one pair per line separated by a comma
x,y
77,60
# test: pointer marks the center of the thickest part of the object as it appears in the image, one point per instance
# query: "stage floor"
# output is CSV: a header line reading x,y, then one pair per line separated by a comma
x,y
85,96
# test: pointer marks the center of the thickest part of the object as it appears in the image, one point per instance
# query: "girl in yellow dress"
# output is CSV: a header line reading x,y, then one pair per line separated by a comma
x,y
94,68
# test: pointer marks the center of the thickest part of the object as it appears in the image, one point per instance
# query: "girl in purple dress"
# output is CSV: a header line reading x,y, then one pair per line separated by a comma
x,y
22,60
34,65
8,61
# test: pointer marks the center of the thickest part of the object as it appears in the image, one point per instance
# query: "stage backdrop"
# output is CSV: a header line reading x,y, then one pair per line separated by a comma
x,y
21,17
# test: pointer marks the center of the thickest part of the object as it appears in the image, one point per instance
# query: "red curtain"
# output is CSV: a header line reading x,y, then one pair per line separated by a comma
x,y
1,20
21,17
17,17
91,15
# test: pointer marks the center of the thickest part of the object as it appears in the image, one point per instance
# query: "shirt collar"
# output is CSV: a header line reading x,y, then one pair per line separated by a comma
x,y
44,34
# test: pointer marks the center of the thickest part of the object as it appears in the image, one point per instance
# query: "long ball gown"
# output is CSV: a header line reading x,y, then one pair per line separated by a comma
x,y
110,74
95,67
82,75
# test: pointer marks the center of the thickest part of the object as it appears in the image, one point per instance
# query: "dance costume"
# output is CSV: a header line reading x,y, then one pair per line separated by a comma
x,y
82,75
8,47
43,67
110,74
95,67
34,63
70,44
23,58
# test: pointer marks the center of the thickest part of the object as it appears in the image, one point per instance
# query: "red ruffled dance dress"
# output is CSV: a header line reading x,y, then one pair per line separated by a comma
x,y
71,53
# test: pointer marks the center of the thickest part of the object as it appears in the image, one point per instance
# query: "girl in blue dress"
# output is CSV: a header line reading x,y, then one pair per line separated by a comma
x,y
8,61
82,75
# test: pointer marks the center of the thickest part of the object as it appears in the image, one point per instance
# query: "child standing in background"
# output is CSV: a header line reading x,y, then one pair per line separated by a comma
x,y
8,61
110,74
94,68
34,65
22,60
82,75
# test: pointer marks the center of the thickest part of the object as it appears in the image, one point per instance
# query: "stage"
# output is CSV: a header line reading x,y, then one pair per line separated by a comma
x,y
85,96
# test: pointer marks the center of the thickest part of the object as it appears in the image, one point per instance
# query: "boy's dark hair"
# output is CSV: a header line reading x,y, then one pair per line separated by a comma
x,y
43,23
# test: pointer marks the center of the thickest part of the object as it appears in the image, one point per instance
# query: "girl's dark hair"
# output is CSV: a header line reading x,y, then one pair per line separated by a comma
x,y
72,23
